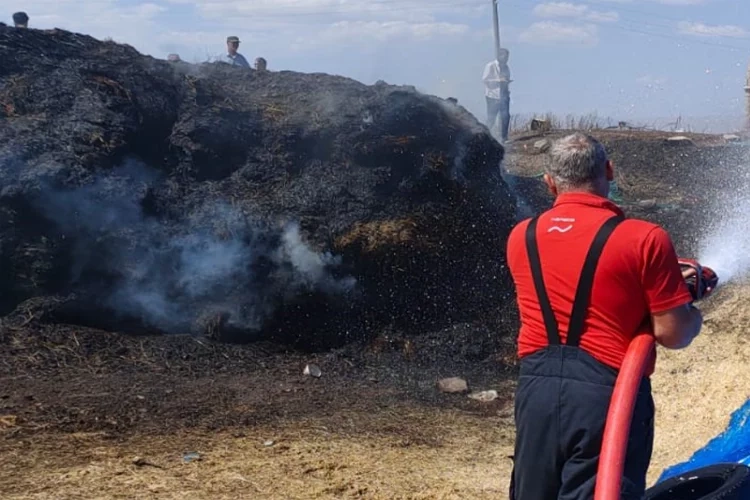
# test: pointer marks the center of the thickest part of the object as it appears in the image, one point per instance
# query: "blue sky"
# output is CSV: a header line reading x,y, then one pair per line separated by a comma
x,y
647,61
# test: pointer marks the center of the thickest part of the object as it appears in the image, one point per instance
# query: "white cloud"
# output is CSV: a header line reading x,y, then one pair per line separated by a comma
x,y
652,82
552,32
574,11
365,32
312,11
705,30
662,2
680,2
200,26
560,9
602,17
282,30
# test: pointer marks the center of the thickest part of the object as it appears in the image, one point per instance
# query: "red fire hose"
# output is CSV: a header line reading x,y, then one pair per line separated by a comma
x,y
619,417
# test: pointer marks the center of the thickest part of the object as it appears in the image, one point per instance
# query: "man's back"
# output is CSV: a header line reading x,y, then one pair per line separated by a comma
x,y
637,274
587,280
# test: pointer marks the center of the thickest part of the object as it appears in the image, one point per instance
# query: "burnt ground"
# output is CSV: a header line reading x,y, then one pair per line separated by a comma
x,y
92,414
82,410
72,379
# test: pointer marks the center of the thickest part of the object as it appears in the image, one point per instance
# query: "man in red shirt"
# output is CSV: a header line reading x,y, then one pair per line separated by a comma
x,y
588,280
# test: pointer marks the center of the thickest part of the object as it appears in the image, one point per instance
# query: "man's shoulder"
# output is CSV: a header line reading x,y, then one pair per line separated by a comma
x,y
642,237
640,229
521,225
518,233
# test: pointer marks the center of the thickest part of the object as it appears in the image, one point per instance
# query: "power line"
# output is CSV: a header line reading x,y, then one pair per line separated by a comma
x,y
682,39
617,24
640,22
397,6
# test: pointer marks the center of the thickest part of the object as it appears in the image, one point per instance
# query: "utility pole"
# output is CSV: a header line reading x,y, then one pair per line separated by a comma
x,y
496,26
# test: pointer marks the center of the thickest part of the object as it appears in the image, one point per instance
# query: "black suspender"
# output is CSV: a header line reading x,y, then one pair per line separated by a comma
x,y
550,323
585,282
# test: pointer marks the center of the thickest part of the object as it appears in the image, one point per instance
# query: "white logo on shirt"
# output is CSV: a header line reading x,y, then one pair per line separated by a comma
x,y
560,229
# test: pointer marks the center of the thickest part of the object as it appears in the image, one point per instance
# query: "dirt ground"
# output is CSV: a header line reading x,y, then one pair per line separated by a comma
x,y
91,414
697,389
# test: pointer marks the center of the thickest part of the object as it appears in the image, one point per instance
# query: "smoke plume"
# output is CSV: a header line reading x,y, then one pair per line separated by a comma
x,y
168,271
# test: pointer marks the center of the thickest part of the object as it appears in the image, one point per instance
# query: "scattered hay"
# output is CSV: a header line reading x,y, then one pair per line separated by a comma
x,y
372,236
401,452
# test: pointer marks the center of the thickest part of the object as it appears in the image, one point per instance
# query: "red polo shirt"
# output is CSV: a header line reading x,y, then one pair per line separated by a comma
x,y
637,275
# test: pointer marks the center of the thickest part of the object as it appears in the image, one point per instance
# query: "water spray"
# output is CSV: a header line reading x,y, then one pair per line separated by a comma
x,y
726,248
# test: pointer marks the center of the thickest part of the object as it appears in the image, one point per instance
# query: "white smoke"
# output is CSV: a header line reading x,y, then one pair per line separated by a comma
x,y
167,273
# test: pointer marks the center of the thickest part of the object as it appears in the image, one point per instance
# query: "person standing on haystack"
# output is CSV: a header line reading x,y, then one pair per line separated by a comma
x,y
233,57
497,92
21,20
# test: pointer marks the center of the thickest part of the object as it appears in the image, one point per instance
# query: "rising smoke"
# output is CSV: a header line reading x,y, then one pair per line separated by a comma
x,y
167,272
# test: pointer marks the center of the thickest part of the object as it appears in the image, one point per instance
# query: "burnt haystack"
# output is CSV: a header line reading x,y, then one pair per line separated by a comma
x,y
175,197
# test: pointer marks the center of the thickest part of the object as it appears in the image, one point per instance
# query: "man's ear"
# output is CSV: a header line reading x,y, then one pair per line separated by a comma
x,y
550,184
610,171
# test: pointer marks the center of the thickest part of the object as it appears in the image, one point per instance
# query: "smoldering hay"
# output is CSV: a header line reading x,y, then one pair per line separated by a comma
x,y
154,196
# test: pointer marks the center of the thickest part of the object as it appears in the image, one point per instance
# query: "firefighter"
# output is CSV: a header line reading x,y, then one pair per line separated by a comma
x,y
588,280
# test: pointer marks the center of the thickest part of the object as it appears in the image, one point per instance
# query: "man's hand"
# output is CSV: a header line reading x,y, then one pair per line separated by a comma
x,y
688,272
701,280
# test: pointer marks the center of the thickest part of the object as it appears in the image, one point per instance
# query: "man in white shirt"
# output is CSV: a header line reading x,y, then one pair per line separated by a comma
x,y
496,82
233,57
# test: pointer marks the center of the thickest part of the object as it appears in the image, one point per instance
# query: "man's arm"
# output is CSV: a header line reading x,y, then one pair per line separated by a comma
x,y
676,322
676,328
486,73
243,62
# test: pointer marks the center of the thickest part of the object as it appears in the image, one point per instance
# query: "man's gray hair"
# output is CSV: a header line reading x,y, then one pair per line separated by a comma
x,y
577,160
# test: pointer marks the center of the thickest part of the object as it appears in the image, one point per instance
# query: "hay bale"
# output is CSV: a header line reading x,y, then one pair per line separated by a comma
x,y
303,207
540,125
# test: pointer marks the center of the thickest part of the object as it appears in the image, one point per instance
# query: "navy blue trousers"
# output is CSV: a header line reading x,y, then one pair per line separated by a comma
x,y
561,405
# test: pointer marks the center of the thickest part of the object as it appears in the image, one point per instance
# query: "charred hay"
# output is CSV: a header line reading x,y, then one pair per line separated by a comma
x,y
305,208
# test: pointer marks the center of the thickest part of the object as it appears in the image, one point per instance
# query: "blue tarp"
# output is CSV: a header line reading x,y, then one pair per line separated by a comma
x,y
732,445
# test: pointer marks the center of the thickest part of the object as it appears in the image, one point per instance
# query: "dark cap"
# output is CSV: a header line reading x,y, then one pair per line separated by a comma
x,y
20,18
231,39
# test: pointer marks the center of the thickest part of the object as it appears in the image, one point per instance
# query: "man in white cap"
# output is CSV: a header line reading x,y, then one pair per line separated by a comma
x,y
233,57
